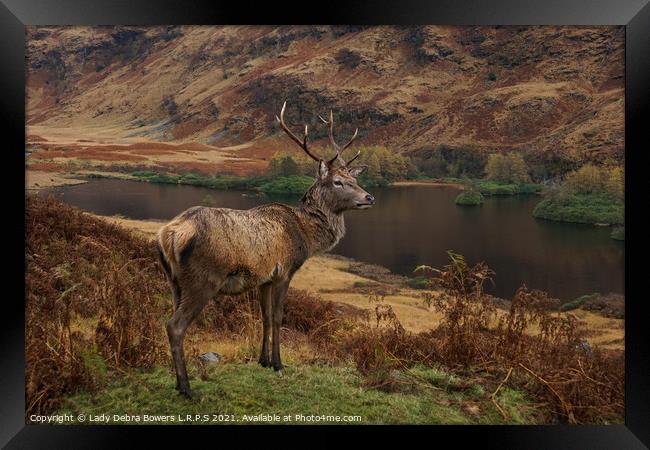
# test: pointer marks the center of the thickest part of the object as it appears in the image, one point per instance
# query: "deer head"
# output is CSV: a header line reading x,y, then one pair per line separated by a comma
x,y
336,185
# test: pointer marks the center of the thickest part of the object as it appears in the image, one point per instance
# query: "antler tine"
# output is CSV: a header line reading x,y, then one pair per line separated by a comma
x,y
355,157
354,136
334,144
296,139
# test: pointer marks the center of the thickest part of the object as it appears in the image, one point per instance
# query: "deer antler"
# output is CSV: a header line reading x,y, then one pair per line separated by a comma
x,y
302,143
338,148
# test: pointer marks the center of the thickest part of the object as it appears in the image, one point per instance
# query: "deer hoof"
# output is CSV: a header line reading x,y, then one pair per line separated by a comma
x,y
264,362
278,367
187,393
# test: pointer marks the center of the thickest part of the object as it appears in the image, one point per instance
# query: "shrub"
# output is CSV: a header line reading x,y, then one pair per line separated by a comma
x,y
472,198
579,384
582,384
81,267
348,58
466,309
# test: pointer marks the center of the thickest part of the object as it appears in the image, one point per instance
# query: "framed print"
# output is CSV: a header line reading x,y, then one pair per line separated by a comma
x,y
375,215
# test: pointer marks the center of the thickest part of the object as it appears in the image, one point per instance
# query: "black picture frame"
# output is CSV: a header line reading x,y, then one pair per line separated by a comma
x,y
16,14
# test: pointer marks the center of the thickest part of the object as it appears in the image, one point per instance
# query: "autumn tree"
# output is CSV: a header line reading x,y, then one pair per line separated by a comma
x,y
508,168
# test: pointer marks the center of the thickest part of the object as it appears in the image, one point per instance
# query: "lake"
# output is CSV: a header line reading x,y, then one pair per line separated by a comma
x,y
412,225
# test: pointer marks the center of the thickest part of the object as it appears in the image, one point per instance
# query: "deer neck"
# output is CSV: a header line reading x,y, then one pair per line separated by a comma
x,y
324,227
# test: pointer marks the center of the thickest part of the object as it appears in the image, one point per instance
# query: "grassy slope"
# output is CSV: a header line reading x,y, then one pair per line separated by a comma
x,y
248,389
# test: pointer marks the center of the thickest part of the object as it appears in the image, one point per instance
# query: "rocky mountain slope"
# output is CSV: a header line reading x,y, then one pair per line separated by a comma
x,y
557,91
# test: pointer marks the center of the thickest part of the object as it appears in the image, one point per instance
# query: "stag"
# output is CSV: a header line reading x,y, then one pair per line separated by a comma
x,y
210,252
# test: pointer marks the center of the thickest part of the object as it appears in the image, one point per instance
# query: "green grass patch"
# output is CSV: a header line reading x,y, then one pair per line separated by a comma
x,y
577,303
293,184
365,284
489,188
591,208
469,198
247,389
418,283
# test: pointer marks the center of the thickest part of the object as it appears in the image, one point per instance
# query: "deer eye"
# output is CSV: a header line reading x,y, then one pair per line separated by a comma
x,y
338,183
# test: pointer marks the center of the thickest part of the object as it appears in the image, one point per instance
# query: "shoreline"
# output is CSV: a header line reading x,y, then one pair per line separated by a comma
x,y
37,180
350,282
406,183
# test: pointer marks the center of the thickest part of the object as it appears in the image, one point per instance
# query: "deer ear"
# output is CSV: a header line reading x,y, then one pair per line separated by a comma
x,y
323,170
356,171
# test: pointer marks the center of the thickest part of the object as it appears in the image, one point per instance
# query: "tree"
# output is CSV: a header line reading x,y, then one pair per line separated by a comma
x,y
517,168
616,182
283,165
288,166
374,168
496,169
509,168
586,179
590,178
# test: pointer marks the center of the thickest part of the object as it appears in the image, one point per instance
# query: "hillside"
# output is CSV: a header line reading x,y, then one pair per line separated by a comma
x,y
204,98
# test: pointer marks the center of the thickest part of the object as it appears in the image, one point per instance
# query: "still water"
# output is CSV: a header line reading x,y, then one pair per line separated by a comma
x,y
414,225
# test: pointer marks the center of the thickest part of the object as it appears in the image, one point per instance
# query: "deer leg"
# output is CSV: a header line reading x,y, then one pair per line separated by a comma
x,y
279,294
265,306
187,310
176,299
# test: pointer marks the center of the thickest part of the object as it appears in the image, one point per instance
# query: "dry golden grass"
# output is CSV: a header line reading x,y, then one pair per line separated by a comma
x,y
143,227
37,180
